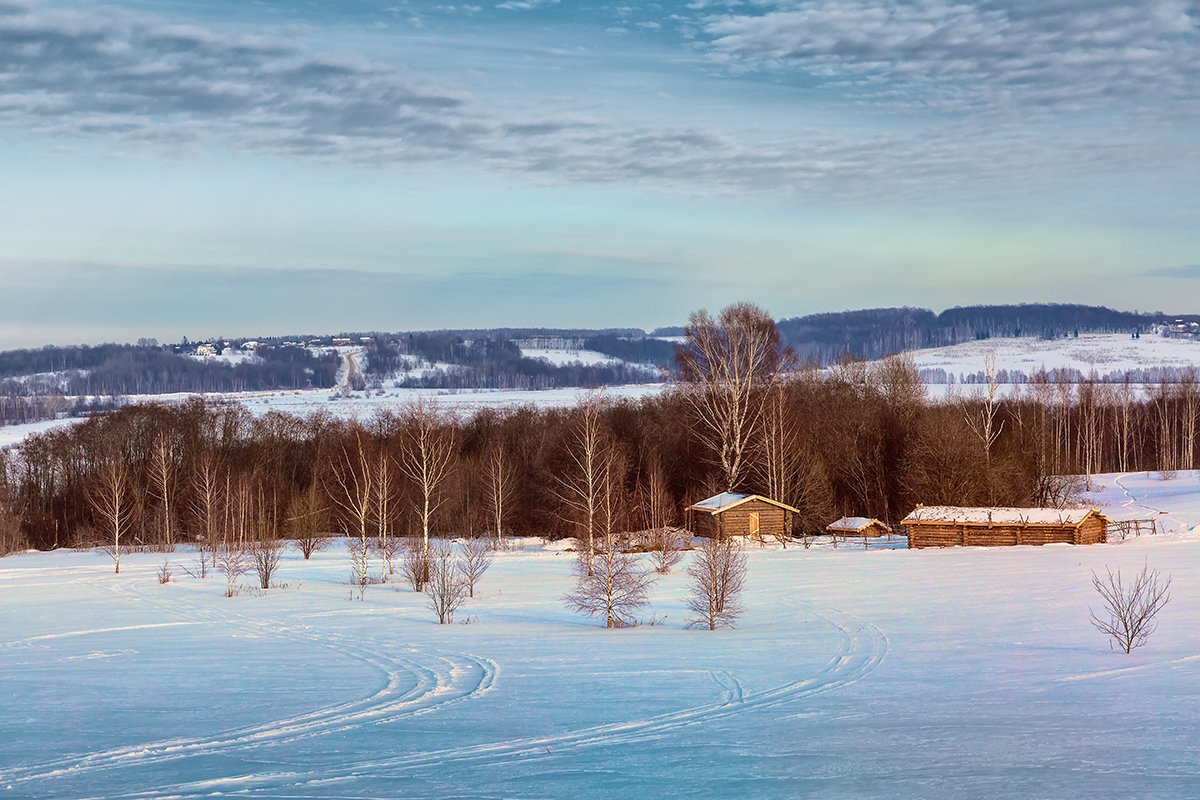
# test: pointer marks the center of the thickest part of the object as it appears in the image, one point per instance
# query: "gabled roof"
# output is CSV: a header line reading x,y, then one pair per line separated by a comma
x,y
727,500
854,524
959,515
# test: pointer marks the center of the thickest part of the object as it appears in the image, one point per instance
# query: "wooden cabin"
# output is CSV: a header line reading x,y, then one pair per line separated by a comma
x,y
858,527
736,514
950,526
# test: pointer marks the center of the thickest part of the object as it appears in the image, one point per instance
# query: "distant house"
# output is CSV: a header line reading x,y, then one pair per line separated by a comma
x,y
342,342
949,526
206,350
860,527
735,514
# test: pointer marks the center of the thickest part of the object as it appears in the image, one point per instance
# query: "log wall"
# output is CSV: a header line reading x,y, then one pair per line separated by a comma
x,y
772,520
930,534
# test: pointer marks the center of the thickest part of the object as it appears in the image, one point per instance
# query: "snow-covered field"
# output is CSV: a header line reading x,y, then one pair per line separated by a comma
x,y
959,673
561,357
1104,353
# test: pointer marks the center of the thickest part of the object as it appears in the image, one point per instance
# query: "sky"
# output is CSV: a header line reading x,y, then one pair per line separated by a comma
x,y
246,168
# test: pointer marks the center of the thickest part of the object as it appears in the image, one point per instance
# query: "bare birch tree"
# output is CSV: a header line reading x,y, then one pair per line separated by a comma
x,y
718,573
579,488
983,423
353,492
658,518
500,482
427,458
162,487
112,498
611,584
723,365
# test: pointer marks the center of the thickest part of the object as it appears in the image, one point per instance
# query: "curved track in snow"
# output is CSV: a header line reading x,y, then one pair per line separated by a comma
x,y
434,679
862,649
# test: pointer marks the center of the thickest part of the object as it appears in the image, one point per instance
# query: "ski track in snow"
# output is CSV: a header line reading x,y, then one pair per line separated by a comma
x,y
440,679
862,650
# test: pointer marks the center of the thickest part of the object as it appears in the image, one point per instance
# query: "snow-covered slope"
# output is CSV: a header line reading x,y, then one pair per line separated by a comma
x,y
961,673
1106,354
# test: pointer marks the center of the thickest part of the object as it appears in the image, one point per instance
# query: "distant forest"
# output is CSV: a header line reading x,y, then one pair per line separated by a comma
x,y
878,332
35,383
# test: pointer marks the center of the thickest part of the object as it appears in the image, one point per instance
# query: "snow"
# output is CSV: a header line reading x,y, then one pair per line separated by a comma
x,y
852,524
719,501
1105,353
998,516
563,357
362,405
956,673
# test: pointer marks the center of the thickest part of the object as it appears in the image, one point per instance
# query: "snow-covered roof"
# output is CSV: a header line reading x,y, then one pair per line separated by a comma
x,y
958,515
722,500
725,500
854,524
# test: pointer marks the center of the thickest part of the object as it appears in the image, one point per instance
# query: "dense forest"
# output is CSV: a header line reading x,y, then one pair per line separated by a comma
x,y
856,440
875,333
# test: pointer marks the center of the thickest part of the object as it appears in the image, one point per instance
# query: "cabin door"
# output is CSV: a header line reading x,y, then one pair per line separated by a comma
x,y
753,523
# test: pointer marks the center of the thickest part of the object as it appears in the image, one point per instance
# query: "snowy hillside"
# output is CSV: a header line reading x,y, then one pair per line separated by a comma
x,y
1106,354
848,677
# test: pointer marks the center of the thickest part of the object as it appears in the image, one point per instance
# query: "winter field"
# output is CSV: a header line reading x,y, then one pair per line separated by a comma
x,y
1105,353
957,673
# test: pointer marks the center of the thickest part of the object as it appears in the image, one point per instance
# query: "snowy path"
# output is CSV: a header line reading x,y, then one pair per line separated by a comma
x,y
863,647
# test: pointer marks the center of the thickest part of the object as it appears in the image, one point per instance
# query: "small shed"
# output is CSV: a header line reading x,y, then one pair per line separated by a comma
x,y
948,526
859,527
736,514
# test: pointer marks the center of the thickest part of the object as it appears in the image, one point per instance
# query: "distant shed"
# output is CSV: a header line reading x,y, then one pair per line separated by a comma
x,y
736,514
860,527
949,526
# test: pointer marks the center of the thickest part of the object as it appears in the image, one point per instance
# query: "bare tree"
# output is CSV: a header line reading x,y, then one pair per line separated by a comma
x,y
266,552
658,518
611,584
983,420
475,556
579,488
500,481
206,510
231,556
413,564
113,500
11,538
1130,610
718,573
427,458
385,488
353,492
308,521
447,585
723,365
162,487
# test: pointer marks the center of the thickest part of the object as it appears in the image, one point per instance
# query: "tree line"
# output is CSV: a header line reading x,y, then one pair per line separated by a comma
x,y
858,439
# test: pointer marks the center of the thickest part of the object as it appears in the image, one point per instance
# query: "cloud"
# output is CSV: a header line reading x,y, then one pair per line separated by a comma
x,y
145,83
525,5
953,53
1190,271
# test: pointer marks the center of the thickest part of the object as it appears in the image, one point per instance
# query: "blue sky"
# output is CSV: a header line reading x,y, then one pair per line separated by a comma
x,y
243,168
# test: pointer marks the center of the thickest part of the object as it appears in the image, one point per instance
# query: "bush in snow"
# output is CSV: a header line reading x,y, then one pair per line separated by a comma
x,y
1130,609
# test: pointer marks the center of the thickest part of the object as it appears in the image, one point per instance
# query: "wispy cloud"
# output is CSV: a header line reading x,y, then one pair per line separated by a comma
x,y
955,53
141,80
1189,271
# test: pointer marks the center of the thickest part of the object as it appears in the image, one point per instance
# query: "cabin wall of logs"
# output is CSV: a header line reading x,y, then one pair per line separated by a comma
x,y
736,521
1092,530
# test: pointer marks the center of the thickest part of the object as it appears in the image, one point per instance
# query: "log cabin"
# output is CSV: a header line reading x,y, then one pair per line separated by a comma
x,y
737,514
858,527
950,526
